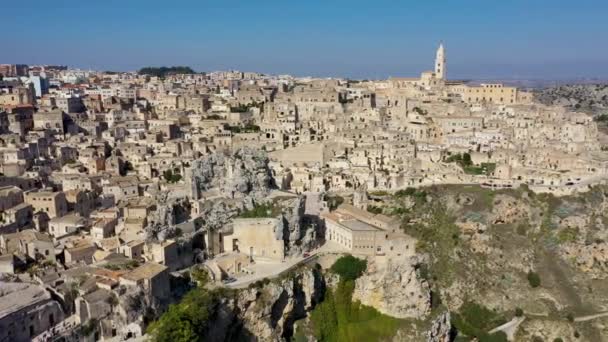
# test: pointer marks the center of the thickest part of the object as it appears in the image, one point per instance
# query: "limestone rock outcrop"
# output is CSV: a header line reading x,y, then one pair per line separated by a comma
x,y
395,289
441,329
508,209
268,311
243,173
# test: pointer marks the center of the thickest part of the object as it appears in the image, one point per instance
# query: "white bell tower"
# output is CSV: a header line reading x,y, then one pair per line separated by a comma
x,y
440,63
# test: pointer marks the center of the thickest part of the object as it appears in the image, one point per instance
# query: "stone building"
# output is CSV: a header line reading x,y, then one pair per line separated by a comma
x,y
54,204
260,238
26,311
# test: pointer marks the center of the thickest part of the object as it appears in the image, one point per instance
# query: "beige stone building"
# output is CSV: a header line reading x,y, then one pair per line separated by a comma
x,y
361,232
152,277
26,311
30,243
256,237
54,204
492,93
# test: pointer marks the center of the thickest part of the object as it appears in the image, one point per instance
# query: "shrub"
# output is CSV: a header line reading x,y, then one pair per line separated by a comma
x,y
475,320
533,279
348,267
570,317
406,192
171,177
374,210
187,321
519,312
333,202
558,339
338,318
261,211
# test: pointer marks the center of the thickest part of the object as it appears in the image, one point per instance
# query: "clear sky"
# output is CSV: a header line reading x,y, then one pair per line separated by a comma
x,y
548,39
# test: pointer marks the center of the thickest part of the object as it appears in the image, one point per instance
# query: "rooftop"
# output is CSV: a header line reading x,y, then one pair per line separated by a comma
x,y
357,225
145,271
16,296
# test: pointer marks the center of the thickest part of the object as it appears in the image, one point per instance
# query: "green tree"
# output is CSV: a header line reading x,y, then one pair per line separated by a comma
x,y
466,159
171,177
164,71
349,268
187,321
333,202
200,276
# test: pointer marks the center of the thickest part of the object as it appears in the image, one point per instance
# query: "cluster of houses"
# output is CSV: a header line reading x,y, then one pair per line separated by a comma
x,y
84,155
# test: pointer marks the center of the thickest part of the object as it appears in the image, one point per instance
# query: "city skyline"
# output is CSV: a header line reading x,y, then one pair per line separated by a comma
x,y
519,40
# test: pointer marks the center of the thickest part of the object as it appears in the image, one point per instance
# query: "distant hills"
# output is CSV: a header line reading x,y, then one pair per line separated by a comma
x,y
590,98
164,71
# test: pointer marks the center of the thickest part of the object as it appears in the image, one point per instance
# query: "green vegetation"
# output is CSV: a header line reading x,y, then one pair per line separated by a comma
x,y
129,265
242,108
419,196
164,71
333,202
462,159
482,169
465,162
89,328
567,235
533,279
349,268
519,312
200,276
374,210
438,235
474,321
261,211
187,321
420,111
601,118
248,128
172,177
338,318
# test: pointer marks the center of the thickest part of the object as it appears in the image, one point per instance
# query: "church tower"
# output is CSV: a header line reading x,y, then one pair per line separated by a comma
x,y
440,71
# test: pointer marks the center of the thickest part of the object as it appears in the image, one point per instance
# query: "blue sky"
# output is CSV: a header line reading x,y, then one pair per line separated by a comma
x,y
362,39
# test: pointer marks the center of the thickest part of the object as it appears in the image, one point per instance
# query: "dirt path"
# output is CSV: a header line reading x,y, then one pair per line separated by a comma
x,y
590,317
509,328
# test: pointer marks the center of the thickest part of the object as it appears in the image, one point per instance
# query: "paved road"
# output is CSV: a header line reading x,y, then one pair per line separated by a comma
x,y
274,270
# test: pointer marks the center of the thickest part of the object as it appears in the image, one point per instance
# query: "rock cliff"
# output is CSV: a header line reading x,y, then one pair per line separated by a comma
x,y
395,289
268,310
243,173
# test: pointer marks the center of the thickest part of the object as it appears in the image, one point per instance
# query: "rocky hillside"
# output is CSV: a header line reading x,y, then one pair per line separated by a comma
x,y
490,266
511,253
243,173
588,98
